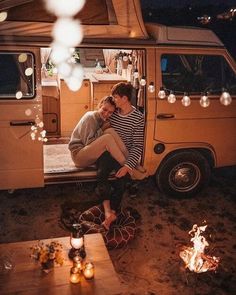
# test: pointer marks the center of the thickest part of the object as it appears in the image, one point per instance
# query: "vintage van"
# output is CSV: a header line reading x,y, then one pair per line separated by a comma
x,y
185,138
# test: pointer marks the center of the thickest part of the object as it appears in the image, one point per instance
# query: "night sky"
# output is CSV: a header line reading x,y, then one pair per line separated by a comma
x,y
181,3
187,13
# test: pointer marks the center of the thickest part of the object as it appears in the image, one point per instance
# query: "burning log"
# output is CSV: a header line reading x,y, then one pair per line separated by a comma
x,y
194,257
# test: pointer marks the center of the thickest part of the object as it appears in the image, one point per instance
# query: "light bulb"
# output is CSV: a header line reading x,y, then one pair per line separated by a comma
x,y
161,93
225,98
72,32
151,87
143,81
186,100
63,8
3,16
204,101
136,74
171,98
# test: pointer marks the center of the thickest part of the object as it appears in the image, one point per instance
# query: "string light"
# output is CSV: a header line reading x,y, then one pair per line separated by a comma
x,y
186,101
204,101
171,97
225,98
162,93
63,44
151,87
136,74
143,81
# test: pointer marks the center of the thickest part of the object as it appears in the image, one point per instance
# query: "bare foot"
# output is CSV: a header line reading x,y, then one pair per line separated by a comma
x,y
110,217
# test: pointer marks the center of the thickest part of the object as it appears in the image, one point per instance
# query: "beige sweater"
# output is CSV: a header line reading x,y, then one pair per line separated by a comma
x,y
86,131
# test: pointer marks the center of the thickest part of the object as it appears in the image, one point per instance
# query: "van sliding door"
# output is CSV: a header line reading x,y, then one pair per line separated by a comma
x,y
21,149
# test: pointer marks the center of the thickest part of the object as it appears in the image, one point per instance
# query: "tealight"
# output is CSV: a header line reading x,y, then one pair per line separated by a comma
x,y
74,275
88,271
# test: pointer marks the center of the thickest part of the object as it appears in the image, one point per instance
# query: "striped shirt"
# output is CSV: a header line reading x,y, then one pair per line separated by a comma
x,y
130,128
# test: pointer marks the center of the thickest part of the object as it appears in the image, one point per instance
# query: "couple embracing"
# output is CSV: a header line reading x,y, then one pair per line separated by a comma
x,y
111,137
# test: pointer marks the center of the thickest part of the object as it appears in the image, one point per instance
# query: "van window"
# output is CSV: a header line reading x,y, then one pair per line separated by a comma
x,y
16,76
196,74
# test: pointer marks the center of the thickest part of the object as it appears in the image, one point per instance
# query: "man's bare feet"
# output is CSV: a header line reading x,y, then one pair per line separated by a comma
x,y
110,217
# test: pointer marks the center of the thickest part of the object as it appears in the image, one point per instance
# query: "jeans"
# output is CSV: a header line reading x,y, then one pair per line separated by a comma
x,y
105,190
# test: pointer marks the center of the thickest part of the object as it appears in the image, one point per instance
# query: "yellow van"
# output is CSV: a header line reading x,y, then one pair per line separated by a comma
x,y
185,83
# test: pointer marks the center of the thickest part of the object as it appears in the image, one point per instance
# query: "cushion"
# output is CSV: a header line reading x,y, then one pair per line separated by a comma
x,y
121,231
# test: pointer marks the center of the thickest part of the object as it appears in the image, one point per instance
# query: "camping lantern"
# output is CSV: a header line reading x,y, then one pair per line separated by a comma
x,y
77,241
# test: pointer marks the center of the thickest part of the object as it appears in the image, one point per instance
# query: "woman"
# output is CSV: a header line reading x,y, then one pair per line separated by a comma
x,y
92,137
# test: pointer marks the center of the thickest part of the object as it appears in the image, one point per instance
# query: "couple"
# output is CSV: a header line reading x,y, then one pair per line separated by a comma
x,y
111,137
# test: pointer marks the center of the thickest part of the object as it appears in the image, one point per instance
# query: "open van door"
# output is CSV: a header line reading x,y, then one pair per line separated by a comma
x,y
21,157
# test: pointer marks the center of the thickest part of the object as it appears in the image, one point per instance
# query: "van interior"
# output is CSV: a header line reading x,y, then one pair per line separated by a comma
x,y
63,108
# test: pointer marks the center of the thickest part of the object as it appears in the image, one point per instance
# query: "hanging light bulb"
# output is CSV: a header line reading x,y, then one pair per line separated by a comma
x,y
143,81
171,97
151,87
204,101
186,100
162,93
225,98
136,74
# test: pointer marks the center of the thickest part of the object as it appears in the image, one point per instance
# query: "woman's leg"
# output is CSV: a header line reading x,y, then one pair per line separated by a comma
x,y
90,153
118,141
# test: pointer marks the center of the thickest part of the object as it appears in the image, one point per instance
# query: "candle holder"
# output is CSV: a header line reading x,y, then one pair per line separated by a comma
x,y
75,275
77,242
88,270
78,262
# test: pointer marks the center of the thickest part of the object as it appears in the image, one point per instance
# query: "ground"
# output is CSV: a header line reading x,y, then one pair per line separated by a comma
x,y
150,264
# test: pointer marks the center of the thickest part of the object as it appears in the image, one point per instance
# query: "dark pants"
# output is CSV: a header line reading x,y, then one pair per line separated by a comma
x,y
105,189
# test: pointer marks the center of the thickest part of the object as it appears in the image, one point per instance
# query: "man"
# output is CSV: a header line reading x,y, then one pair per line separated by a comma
x,y
128,122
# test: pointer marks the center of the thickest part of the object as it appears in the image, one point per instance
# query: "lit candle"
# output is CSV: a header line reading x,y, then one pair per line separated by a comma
x,y
89,270
77,262
74,275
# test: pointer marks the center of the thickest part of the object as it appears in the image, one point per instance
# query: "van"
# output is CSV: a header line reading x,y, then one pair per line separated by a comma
x,y
185,83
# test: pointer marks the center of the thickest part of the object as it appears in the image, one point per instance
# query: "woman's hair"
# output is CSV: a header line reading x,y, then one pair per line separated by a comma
x,y
123,89
106,99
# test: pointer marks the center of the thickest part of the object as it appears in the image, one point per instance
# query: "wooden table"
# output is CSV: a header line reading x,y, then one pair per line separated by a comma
x,y
27,277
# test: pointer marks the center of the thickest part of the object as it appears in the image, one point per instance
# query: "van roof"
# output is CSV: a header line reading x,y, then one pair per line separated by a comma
x,y
182,35
100,19
110,22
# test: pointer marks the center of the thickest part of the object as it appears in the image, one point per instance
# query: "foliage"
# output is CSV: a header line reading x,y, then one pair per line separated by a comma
x,y
48,254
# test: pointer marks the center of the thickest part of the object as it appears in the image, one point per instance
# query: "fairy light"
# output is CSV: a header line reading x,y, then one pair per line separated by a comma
x,y
63,44
162,93
3,16
186,100
171,97
143,81
151,87
225,98
136,74
204,101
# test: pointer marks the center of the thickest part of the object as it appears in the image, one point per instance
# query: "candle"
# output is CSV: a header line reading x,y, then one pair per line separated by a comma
x,y
77,262
74,275
89,270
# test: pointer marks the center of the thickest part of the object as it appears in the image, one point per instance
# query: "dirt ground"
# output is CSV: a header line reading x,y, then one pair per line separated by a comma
x,y
150,264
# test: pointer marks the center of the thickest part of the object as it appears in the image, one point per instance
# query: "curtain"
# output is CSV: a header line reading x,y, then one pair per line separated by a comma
x,y
44,53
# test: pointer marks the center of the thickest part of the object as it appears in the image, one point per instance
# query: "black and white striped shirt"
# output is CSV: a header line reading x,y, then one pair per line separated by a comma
x,y
130,128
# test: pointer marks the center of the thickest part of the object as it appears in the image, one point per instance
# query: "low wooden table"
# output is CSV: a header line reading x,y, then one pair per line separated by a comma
x,y
27,277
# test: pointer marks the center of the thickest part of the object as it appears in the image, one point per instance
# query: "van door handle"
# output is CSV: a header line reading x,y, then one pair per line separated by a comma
x,y
165,116
22,123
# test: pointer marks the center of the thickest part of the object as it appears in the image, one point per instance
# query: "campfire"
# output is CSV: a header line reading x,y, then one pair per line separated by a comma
x,y
194,257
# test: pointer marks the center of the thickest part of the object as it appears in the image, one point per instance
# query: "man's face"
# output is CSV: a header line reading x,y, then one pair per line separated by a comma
x,y
106,110
119,100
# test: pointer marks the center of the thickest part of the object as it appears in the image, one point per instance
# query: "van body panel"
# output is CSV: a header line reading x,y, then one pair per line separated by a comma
x,y
21,158
193,126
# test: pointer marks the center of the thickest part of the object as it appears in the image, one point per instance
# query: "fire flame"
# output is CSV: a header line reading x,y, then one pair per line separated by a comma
x,y
194,257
